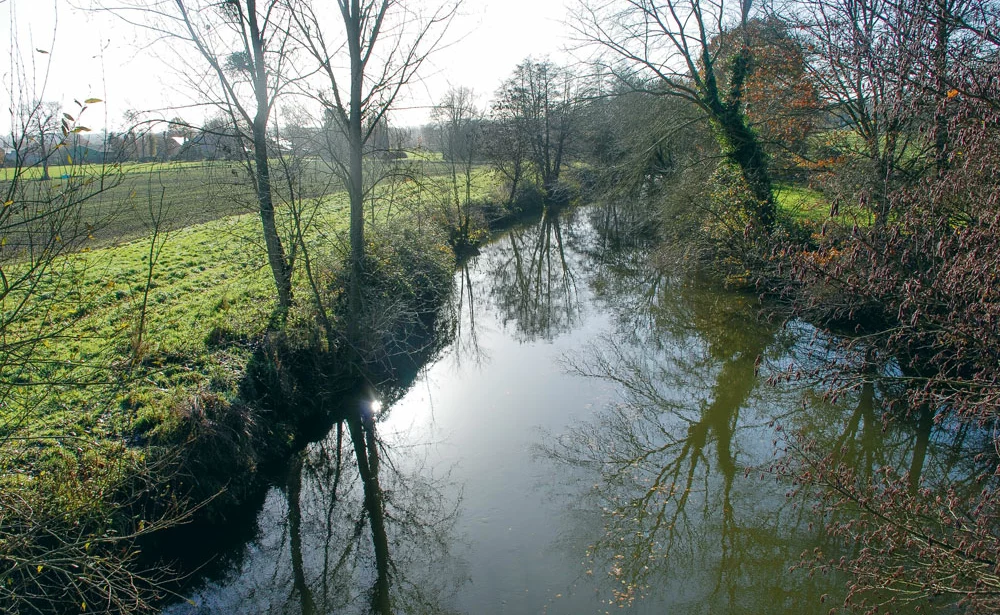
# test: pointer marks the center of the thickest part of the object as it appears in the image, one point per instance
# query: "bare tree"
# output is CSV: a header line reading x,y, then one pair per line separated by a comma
x,y
42,225
247,48
42,125
674,48
459,125
537,101
506,148
383,43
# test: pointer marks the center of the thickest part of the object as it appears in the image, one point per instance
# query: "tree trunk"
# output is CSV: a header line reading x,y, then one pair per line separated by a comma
x,y
514,181
356,179
560,148
744,150
281,269
739,143
275,251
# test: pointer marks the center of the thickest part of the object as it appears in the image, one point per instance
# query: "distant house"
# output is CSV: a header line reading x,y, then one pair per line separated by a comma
x,y
86,149
173,145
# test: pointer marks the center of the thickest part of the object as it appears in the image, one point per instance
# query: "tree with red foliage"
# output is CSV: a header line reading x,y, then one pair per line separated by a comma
x,y
924,286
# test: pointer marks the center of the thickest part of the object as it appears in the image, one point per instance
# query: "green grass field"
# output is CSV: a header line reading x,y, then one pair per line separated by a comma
x,y
208,276
810,207
801,203
210,282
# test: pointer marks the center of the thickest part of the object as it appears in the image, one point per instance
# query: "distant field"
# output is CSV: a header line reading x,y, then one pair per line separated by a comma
x,y
802,203
424,155
62,171
192,192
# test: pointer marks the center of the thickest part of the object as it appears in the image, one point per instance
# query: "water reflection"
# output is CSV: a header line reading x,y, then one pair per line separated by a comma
x,y
674,475
665,466
348,532
663,494
530,280
462,315
871,428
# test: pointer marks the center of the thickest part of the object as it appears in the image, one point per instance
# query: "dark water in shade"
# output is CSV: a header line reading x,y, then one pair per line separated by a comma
x,y
581,446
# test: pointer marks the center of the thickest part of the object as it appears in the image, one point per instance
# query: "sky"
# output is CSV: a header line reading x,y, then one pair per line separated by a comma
x,y
92,55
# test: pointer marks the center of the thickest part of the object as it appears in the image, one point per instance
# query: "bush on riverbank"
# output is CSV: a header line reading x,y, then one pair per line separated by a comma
x,y
921,285
924,285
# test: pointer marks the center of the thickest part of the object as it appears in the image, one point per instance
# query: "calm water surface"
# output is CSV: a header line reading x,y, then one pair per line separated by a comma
x,y
595,438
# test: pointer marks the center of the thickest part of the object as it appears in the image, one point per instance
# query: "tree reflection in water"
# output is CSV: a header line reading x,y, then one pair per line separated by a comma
x,y
351,532
675,473
668,459
530,280
460,315
662,494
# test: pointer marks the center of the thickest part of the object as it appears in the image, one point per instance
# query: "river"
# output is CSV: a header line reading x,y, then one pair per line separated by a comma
x,y
597,436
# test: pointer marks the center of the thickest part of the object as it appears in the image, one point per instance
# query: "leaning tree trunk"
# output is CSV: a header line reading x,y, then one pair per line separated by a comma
x,y
742,148
739,143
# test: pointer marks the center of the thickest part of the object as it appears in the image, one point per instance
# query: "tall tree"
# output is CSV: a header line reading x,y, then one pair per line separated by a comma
x,y
459,125
382,43
536,104
245,44
666,47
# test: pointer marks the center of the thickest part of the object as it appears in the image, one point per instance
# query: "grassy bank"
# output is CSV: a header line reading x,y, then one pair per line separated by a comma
x,y
161,376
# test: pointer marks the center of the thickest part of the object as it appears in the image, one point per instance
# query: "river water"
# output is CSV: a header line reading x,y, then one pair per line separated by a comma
x,y
597,436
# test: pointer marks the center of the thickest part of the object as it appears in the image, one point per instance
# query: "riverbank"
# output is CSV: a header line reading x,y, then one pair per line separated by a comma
x,y
517,473
178,384
912,298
